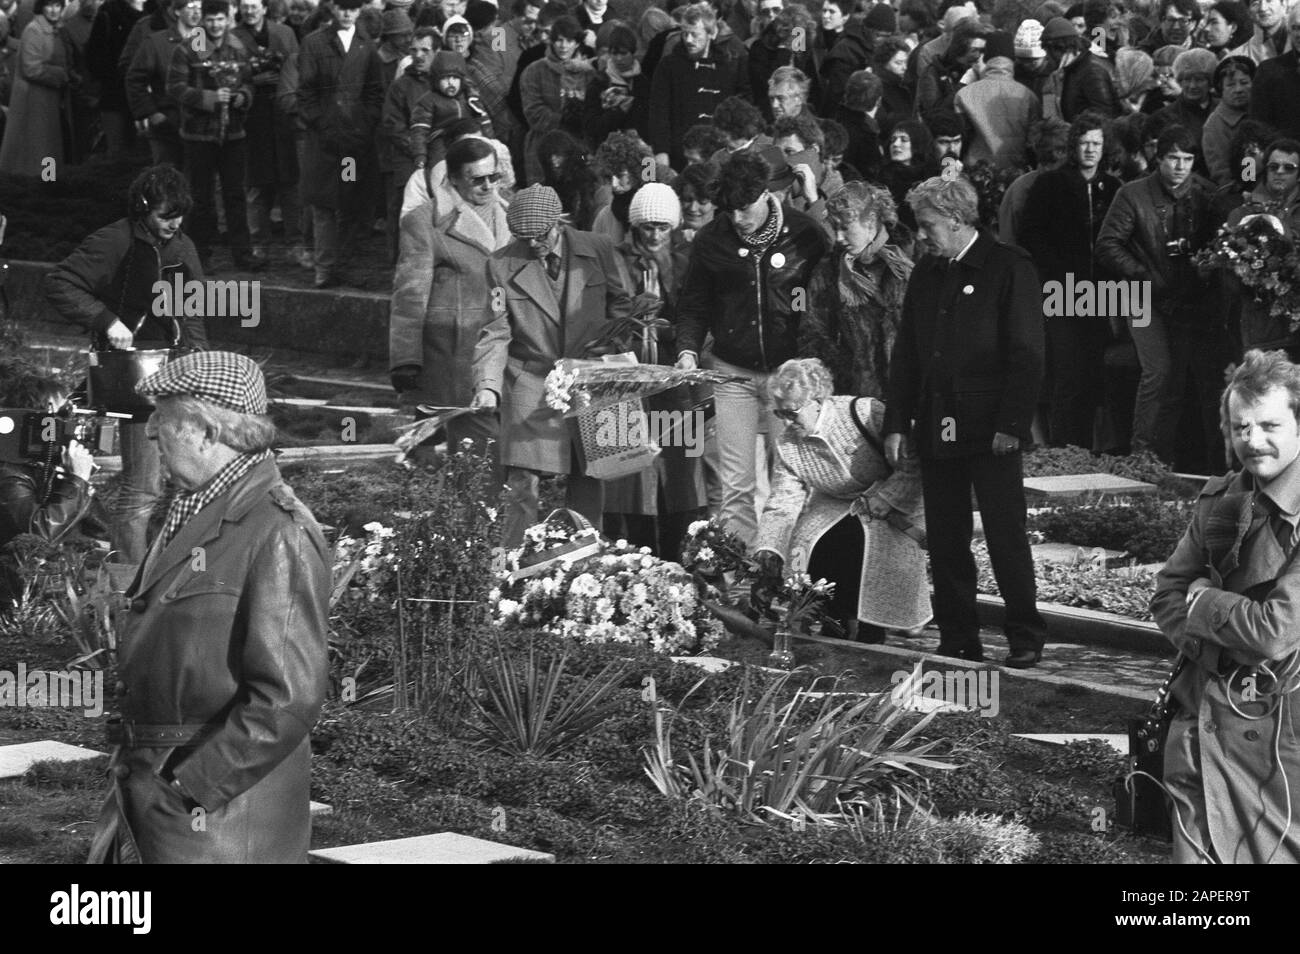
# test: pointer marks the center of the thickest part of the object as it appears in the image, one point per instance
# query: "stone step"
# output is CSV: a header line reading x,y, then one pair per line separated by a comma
x,y
15,760
447,848
320,809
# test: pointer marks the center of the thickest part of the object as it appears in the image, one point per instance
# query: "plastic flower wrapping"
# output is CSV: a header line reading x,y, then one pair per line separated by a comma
x,y
1259,254
620,595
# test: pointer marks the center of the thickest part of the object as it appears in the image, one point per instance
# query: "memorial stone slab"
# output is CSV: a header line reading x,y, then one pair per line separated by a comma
x,y
1071,486
1070,555
15,760
447,848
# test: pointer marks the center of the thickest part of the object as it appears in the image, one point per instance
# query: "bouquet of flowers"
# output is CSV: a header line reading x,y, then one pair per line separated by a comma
x,y
363,569
265,65
1258,253
575,385
710,550
225,73
801,601
621,594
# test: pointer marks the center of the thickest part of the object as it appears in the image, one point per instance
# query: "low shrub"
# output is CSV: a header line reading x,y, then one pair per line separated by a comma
x,y
1060,461
1147,528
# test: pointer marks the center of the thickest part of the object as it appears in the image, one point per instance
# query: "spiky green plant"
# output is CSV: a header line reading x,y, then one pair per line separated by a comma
x,y
810,755
533,706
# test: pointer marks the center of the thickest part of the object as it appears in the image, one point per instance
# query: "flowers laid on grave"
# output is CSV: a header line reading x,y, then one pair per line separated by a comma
x,y
617,594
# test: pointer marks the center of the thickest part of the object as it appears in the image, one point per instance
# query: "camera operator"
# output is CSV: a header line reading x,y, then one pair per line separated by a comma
x,y
1151,231
107,287
37,496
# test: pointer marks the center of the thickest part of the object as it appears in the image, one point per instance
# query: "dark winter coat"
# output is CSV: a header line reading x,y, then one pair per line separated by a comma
x,y
340,99
190,81
748,300
968,360
146,82
1061,219
111,276
108,38
1089,83
850,53
685,92
272,152
1143,218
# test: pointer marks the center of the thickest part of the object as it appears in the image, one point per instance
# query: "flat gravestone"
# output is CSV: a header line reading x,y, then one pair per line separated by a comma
x,y
1116,740
320,808
1071,555
710,664
447,848
15,760
1082,485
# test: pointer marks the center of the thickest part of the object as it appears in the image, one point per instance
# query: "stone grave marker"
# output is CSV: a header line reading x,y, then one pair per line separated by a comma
x,y
447,848
15,760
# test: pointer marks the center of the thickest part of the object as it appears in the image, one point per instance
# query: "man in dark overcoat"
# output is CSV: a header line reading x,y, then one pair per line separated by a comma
x,y
340,98
964,378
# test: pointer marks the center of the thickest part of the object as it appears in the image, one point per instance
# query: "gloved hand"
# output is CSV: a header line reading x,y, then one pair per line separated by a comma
x,y
768,581
406,378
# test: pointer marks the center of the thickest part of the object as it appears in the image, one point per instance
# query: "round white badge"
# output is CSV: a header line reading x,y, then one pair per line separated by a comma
x,y
968,290
743,252
778,260
6,425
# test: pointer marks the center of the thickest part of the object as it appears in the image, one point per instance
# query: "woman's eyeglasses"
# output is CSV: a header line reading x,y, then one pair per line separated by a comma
x,y
790,414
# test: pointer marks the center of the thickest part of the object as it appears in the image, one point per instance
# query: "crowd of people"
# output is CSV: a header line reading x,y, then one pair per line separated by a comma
x,y
852,212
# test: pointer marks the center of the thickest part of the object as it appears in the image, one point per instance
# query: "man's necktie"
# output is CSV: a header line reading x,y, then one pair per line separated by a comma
x,y
553,266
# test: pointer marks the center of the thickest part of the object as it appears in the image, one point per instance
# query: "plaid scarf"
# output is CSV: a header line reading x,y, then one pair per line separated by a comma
x,y
186,505
762,239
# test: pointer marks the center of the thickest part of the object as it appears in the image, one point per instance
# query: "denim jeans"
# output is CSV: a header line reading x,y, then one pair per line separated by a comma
x,y
744,411
141,487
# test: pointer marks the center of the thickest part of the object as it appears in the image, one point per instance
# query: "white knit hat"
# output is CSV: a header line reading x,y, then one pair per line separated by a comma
x,y
655,202
1028,41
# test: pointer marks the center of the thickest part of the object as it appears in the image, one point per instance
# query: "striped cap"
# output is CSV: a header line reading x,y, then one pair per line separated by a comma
x,y
224,378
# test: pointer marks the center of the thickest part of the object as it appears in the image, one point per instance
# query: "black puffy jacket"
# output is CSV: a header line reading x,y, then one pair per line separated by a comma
x,y
751,303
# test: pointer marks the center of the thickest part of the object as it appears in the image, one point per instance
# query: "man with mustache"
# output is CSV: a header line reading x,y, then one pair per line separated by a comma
x,y
1227,601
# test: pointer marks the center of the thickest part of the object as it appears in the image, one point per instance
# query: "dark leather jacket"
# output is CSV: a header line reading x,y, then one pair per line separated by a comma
x,y
1134,242
751,303
26,507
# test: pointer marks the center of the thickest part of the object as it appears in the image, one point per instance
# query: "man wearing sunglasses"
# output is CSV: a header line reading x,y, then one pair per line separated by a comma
x,y
552,291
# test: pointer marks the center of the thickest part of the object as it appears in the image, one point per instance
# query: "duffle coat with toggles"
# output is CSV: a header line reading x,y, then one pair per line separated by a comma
x,y
817,478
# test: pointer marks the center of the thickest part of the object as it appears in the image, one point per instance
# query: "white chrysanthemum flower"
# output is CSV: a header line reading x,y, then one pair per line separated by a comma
x,y
507,608
698,527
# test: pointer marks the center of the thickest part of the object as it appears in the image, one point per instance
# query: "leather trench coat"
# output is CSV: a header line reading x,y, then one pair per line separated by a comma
x,y
226,635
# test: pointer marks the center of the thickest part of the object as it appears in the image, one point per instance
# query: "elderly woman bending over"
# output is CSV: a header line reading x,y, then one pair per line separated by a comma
x,y
839,511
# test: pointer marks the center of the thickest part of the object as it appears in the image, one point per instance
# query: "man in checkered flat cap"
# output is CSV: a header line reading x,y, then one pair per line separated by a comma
x,y
554,288
223,654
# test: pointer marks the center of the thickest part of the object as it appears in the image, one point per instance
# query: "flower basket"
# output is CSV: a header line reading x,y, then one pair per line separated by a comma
x,y
565,537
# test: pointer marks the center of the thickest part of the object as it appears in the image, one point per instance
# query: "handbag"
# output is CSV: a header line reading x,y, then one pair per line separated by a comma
x,y
1140,801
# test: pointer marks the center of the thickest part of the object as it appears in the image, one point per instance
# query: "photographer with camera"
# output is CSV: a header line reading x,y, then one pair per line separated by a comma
x,y
107,287
37,496
1151,231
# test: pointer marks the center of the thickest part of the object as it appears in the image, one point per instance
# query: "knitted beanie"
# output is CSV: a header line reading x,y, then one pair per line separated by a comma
x,y
655,202
1028,41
